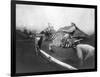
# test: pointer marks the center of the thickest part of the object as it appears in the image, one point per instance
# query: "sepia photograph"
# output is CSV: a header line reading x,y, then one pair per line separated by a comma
x,y
54,38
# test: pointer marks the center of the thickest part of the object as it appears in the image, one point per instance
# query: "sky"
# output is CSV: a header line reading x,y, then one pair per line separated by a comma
x,y
36,17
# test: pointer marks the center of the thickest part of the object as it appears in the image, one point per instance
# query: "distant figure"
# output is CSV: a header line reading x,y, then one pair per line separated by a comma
x,y
41,39
84,48
40,42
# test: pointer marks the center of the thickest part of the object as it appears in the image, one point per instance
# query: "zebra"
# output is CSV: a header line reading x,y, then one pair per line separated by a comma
x,y
60,38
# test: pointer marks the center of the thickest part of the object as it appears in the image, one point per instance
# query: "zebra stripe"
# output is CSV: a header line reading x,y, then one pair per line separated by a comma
x,y
53,36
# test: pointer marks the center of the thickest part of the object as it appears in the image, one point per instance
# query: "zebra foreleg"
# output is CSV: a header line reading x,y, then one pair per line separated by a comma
x,y
50,48
50,45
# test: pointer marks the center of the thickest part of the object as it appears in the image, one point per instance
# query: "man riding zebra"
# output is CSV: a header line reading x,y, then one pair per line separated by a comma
x,y
65,39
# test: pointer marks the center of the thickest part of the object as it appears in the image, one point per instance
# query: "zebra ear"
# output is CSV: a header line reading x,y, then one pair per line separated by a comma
x,y
73,24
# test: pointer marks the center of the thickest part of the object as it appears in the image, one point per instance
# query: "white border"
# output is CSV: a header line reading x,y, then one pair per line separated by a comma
x,y
5,25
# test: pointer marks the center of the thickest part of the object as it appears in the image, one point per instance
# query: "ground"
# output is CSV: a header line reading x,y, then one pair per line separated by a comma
x,y
27,61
